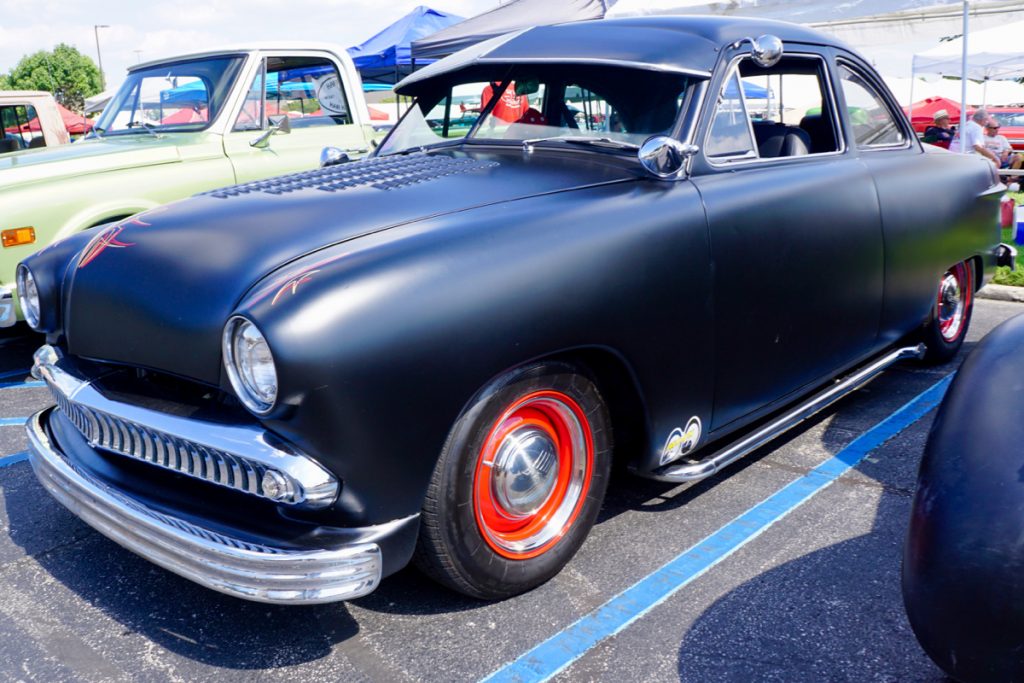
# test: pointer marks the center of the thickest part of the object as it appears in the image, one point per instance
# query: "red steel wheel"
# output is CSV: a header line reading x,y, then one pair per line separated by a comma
x,y
533,474
946,328
954,302
518,484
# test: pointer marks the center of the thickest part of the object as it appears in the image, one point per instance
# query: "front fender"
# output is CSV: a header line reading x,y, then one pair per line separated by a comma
x,y
963,568
381,341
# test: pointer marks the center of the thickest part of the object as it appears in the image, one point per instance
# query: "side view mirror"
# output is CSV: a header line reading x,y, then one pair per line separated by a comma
x,y
278,125
766,50
664,157
333,156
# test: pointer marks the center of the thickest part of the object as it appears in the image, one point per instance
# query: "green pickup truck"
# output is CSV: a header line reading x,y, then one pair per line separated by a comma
x,y
177,127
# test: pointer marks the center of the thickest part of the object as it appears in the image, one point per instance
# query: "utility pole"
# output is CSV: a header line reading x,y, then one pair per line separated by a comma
x,y
138,56
96,31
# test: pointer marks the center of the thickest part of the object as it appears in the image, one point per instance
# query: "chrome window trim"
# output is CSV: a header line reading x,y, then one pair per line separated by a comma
x,y
228,455
738,162
842,63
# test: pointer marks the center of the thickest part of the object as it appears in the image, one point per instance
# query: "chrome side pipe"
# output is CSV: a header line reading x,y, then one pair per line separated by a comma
x,y
695,471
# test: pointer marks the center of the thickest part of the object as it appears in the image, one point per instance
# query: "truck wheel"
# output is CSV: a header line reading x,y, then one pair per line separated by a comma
x,y
518,485
951,316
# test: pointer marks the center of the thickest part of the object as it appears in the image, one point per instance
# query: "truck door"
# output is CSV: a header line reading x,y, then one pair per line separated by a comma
x,y
795,236
311,93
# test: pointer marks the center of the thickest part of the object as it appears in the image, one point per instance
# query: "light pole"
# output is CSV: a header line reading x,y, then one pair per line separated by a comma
x,y
96,31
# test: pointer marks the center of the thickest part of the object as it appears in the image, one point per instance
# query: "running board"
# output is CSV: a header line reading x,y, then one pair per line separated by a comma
x,y
694,471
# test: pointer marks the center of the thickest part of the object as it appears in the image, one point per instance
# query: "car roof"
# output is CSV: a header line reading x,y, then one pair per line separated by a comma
x,y
681,44
243,48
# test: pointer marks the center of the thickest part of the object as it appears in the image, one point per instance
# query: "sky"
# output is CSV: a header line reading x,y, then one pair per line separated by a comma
x,y
152,29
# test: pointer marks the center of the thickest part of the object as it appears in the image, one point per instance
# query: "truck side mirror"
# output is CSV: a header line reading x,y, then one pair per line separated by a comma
x,y
278,125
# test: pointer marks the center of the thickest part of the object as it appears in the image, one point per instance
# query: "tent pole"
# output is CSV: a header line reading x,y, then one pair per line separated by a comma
x,y
963,84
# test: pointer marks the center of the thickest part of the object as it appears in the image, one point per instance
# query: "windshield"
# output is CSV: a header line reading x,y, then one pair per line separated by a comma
x,y
554,103
185,96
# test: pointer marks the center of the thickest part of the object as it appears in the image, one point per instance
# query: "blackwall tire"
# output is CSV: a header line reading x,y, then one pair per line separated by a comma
x,y
947,327
519,484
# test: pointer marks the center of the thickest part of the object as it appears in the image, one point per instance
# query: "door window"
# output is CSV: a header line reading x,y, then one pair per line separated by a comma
x,y
21,127
308,90
873,123
782,111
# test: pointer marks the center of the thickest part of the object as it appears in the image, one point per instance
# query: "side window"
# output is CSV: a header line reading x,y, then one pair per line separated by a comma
x,y
21,127
787,112
874,125
308,90
730,136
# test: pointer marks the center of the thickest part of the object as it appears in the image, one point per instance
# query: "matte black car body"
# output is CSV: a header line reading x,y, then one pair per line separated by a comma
x,y
963,567
395,290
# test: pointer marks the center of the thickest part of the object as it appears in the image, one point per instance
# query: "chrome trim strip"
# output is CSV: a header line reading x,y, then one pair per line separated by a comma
x,y
8,315
694,471
211,559
234,456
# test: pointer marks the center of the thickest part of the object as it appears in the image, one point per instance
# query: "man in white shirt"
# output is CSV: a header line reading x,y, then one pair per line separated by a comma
x,y
973,137
1000,146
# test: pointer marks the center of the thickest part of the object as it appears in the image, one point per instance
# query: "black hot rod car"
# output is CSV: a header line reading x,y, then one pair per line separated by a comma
x,y
288,389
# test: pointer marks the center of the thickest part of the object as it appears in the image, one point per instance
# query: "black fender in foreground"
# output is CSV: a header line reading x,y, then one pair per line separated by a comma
x,y
963,565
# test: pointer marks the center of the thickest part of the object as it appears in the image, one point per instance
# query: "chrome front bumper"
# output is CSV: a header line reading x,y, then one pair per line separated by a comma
x,y
211,559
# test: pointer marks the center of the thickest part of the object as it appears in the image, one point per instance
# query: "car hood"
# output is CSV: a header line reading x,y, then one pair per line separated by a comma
x,y
156,290
47,164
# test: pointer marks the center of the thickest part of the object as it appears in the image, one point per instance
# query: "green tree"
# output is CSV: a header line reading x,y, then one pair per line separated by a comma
x,y
65,72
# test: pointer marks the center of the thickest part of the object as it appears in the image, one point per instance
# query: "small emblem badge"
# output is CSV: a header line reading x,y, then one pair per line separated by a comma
x,y
681,441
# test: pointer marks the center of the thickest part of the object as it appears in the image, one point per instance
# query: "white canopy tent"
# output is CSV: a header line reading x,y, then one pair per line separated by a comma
x,y
907,91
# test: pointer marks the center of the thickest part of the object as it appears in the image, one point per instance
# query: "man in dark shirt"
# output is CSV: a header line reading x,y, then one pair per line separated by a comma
x,y
941,133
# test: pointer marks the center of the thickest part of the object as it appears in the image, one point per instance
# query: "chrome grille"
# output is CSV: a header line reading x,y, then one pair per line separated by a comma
x,y
116,434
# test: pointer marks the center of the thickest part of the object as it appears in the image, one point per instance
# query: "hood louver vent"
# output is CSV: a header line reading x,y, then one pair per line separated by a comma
x,y
383,173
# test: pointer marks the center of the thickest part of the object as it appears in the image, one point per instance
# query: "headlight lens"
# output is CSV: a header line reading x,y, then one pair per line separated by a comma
x,y
28,295
250,365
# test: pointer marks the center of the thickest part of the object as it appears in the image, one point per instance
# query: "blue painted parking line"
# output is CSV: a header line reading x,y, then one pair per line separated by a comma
x,y
556,653
9,460
14,373
21,385
12,421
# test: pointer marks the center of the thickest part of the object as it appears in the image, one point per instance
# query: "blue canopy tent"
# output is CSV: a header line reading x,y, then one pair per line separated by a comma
x,y
387,56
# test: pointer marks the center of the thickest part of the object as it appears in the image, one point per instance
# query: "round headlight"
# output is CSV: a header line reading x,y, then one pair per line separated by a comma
x,y
28,296
250,365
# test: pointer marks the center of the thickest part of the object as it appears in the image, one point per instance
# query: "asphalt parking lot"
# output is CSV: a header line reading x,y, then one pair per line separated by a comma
x,y
784,567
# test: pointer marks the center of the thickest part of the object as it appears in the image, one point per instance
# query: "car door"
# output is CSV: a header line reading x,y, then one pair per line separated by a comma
x,y
795,235
309,91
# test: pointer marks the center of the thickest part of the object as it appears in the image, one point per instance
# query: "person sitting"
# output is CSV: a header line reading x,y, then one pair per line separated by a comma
x,y
940,133
1000,146
972,138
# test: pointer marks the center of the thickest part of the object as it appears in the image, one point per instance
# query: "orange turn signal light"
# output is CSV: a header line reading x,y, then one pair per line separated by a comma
x,y
16,236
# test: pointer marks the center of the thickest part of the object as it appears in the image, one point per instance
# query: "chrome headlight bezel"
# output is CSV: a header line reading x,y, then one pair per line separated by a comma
x,y
28,296
247,388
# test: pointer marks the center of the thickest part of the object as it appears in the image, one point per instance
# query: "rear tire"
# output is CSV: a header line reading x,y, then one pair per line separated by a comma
x,y
946,329
518,485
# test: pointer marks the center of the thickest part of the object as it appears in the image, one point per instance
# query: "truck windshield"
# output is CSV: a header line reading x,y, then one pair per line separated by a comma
x,y
181,96
550,104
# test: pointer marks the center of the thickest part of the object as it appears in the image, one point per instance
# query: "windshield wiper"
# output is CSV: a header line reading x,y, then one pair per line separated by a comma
x,y
97,132
590,140
145,125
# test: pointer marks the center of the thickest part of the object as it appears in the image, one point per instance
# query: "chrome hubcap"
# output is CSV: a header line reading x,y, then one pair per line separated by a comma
x,y
525,472
951,306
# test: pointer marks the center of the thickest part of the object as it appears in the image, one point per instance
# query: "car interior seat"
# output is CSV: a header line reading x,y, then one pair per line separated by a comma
x,y
37,142
780,140
9,145
823,137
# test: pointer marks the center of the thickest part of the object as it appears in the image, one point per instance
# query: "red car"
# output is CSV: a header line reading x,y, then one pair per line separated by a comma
x,y
1011,121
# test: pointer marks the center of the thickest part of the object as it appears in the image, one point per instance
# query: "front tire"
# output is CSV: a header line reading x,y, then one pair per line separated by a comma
x,y
946,329
518,485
